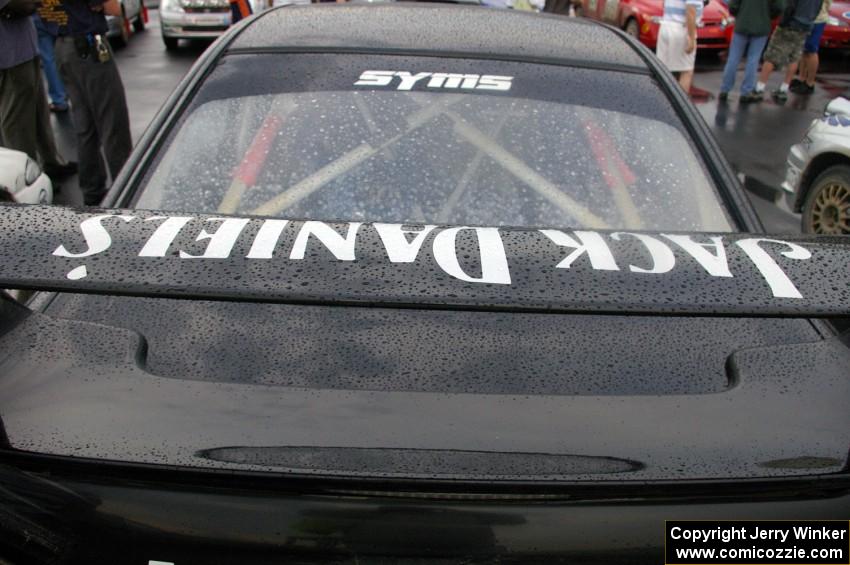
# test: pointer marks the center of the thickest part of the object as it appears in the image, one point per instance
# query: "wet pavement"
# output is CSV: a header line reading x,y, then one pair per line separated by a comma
x,y
754,137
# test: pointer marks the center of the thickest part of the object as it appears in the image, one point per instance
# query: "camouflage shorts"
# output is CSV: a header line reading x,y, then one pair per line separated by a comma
x,y
785,46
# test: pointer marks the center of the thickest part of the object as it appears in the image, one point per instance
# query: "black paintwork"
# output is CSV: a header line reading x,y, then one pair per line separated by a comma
x,y
95,398
358,462
438,31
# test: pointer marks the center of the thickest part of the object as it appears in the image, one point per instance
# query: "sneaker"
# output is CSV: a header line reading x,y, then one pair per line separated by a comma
x,y
723,96
795,82
58,172
802,88
752,96
780,95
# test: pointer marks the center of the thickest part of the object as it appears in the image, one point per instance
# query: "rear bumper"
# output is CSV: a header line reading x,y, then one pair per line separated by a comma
x,y
194,26
713,37
172,516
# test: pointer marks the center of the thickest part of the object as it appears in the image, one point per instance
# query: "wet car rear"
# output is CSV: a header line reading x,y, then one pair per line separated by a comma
x,y
476,298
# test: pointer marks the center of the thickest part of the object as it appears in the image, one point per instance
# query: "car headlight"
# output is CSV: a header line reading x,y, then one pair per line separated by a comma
x,y
655,19
33,171
833,21
171,6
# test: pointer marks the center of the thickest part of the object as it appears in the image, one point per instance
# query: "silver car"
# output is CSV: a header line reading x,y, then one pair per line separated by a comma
x,y
132,14
193,19
817,176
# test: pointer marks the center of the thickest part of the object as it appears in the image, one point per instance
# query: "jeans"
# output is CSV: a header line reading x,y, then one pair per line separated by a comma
x,y
55,86
753,45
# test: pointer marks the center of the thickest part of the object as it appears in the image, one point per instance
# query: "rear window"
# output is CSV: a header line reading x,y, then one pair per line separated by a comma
x,y
430,140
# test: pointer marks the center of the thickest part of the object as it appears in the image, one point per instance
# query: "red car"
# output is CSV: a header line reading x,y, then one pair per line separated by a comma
x,y
837,31
640,18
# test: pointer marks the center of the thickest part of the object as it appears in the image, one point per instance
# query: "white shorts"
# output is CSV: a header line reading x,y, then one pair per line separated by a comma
x,y
672,42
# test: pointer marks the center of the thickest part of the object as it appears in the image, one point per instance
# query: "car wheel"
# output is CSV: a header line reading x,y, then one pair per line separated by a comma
x,y
632,28
124,37
139,24
170,43
827,206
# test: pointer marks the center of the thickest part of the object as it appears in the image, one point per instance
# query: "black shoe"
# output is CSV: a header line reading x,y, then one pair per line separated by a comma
x,y
780,95
723,96
802,88
752,96
58,172
795,82
93,198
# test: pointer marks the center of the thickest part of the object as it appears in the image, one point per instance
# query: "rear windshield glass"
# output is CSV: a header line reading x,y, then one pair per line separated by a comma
x,y
404,140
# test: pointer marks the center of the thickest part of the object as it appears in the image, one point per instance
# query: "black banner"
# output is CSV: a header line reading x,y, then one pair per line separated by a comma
x,y
804,542
144,253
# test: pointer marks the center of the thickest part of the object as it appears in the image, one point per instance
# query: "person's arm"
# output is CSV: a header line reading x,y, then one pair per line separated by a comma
x,y
691,25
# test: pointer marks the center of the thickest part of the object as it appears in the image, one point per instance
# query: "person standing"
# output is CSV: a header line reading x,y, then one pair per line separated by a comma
x,y
786,44
99,106
47,32
677,38
24,115
810,61
752,26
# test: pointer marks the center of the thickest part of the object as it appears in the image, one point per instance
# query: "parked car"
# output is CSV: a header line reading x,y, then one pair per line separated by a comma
x,y
134,19
836,34
21,179
192,19
641,19
817,174
415,283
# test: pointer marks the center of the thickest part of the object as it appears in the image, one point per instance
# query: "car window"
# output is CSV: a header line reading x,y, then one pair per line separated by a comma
x,y
446,154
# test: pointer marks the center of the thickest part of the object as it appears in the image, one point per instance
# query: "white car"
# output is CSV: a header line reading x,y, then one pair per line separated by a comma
x,y
192,19
132,14
21,179
817,175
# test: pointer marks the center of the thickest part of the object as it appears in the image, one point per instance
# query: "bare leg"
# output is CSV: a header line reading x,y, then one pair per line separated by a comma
x,y
812,61
766,69
792,69
685,79
804,67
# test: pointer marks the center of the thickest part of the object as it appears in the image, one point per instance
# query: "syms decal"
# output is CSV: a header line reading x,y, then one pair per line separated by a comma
x,y
403,80
452,250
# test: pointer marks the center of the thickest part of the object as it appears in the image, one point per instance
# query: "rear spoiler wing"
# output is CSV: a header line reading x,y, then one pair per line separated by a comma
x,y
215,257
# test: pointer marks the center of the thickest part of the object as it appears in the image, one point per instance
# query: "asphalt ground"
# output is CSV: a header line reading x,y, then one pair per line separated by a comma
x,y
754,137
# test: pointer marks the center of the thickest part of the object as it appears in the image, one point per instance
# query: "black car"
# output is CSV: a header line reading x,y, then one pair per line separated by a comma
x,y
413,283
